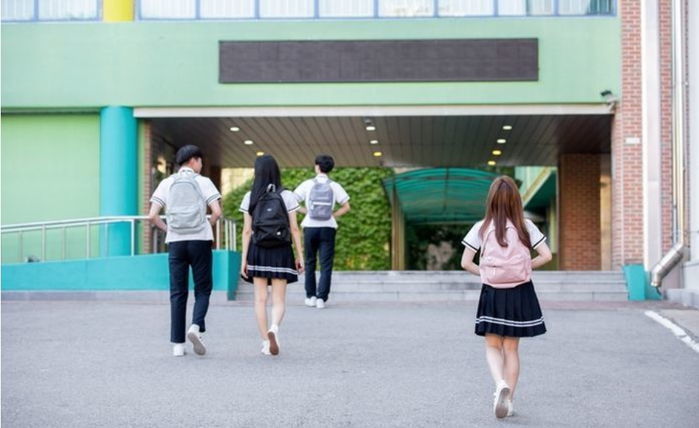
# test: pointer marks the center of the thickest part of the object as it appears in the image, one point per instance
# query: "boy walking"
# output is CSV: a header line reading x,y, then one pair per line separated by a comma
x,y
185,196
320,195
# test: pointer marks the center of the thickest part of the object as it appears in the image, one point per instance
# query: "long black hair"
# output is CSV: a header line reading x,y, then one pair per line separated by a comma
x,y
266,173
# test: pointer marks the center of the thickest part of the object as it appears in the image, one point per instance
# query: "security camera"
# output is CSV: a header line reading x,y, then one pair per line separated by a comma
x,y
610,99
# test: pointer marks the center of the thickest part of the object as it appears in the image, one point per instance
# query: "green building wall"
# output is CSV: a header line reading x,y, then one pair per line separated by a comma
x,y
138,64
50,171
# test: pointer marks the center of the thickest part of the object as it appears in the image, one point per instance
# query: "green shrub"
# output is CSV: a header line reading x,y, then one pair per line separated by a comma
x,y
364,234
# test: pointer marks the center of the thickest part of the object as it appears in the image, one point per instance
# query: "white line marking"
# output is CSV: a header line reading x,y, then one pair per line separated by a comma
x,y
675,329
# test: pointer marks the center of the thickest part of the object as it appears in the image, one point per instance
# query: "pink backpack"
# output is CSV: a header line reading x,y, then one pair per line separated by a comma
x,y
504,267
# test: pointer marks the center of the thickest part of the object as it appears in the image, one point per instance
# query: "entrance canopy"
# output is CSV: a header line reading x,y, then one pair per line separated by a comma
x,y
391,136
440,195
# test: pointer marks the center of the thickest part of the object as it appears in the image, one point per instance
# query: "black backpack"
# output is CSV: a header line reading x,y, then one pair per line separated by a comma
x,y
270,221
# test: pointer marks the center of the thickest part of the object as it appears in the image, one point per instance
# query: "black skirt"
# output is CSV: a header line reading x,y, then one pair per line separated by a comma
x,y
511,312
271,263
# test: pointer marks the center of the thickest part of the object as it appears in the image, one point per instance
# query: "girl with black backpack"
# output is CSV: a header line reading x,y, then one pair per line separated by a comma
x,y
269,228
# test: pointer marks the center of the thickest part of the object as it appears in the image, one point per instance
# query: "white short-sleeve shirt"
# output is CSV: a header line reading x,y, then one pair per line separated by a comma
x,y
208,192
303,192
473,237
292,204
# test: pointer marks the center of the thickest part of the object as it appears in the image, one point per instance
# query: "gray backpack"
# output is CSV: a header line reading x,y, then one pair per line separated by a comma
x,y
321,200
186,208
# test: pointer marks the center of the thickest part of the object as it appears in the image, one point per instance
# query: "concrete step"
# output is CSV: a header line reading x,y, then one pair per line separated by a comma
x,y
367,286
421,286
431,275
446,296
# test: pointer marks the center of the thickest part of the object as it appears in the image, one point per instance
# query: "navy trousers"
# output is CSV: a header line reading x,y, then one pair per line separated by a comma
x,y
319,241
182,255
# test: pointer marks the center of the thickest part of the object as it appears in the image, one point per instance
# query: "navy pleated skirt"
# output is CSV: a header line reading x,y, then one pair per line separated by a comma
x,y
512,312
277,263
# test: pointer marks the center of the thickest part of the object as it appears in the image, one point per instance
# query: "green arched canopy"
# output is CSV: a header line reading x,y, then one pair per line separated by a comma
x,y
440,195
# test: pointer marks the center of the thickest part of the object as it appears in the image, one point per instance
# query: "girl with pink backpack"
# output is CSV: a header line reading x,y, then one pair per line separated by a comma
x,y
508,307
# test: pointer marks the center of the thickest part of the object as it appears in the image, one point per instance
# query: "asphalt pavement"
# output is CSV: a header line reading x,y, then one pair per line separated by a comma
x,y
109,364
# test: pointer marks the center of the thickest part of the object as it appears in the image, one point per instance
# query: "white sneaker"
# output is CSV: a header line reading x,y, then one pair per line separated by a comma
x,y
320,303
500,398
178,350
510,408
195,337
310,301
265,347
273,335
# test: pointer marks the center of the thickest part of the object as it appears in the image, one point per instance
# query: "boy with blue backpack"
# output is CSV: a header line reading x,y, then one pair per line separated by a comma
x,y
320,195
185,196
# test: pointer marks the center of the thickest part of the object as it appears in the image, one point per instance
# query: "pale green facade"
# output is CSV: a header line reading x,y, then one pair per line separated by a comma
x,y
91,65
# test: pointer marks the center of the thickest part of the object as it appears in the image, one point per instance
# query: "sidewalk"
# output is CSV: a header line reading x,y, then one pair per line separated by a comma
x,y
686,318
90,364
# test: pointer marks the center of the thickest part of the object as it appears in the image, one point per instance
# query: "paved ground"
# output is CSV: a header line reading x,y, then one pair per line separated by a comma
x,y
687,319
91,364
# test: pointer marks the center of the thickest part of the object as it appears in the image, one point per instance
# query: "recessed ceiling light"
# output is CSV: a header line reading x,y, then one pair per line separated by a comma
x,y
507,127
491,163
497,152
248,142
501,141
378,154
374,142
260,153
371,128
235,129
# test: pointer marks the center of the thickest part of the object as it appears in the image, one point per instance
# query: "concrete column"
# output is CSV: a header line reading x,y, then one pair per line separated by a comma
x,y
692,267
118,176
651,143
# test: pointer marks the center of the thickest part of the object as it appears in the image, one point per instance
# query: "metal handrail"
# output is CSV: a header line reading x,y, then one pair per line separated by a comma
x,y
225,236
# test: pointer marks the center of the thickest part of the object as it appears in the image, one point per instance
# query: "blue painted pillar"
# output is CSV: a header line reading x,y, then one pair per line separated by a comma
x,y
118,176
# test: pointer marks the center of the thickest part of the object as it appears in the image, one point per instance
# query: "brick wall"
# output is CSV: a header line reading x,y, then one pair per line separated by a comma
x,y
579,212
627,163
147,181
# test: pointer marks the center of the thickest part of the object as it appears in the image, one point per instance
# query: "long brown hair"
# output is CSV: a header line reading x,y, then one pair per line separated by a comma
x,y
503,204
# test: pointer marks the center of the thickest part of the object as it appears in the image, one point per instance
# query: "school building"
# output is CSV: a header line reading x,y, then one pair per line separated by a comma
x,y
591,101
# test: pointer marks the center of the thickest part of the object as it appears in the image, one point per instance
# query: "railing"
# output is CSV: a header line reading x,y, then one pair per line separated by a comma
x,y
91,10
225,235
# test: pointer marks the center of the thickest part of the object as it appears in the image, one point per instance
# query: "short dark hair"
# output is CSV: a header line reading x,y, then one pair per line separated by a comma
x,y
326,163
185,153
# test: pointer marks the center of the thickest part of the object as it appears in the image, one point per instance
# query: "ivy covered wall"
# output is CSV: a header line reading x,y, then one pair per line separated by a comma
x,y
364,234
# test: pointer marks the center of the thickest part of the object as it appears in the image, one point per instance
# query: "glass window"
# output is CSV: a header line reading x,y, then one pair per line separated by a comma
x,y
512,7
168,9
540,7
466,7
346,8
227,9
67,9
406,8
585,7
286,8
17,10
